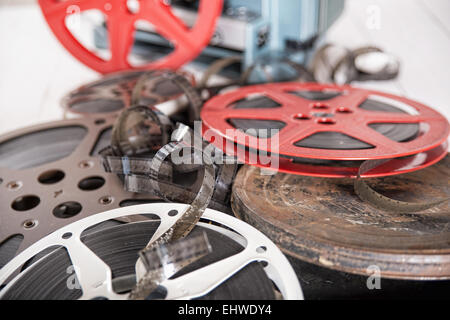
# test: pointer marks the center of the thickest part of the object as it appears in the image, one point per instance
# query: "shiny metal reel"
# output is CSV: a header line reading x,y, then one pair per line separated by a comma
x,y
95,277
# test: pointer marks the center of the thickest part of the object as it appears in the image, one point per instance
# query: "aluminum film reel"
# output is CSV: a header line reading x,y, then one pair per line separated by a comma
x,y
95,275
52,176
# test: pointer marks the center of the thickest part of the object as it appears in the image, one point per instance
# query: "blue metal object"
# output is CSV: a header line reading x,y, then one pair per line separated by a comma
x,y
254,29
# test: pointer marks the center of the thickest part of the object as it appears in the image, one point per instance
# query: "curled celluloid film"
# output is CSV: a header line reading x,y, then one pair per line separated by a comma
x,y
379,201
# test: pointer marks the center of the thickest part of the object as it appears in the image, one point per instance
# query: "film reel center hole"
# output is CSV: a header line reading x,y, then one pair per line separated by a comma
x,y
91,183
67,210
51,177
25,203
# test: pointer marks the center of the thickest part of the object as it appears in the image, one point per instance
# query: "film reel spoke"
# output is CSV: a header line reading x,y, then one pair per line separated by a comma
x,y
350,98
380,117
292,133
166,225
379,141
250,114
168,24
58,10
199,282
93,274
288,101
121,26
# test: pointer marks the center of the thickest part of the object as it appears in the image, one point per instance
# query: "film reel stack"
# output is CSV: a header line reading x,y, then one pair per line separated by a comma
x,y
97,206
53,181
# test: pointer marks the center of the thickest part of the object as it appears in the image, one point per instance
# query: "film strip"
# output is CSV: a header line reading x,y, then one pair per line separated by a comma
x,y
121,20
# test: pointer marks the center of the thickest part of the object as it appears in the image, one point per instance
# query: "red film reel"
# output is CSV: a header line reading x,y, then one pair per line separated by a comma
x,y
121,21
302,111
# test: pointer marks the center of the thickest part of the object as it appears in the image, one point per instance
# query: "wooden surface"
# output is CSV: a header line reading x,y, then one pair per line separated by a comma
x,y
35,71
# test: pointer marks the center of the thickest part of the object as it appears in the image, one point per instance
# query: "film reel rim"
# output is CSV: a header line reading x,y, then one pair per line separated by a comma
x,y
416,264
287,281
395,167
216,111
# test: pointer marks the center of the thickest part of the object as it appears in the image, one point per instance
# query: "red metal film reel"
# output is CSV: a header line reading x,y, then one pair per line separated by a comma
x,y
341,169
301,115
120,21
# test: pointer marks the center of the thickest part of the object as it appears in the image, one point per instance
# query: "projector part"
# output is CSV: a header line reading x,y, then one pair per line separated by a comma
x,y
94,261
121,20
52,177
322,221
323,122
276,68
